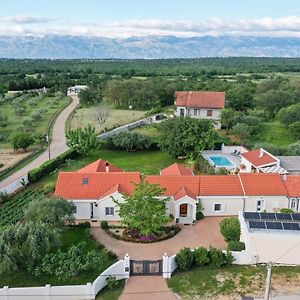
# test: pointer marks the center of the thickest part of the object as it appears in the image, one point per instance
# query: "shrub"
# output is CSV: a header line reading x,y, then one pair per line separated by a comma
x,y
286,211
4,197
201,256
230,229
104,225
229,258
22,140
235,246
185,259
1,165
112,282
199,215
49,188
217,257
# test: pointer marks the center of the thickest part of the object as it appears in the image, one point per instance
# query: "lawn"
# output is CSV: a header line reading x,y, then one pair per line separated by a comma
x,y
117,117
107,294
73,235
230,281
15,121
148,130
147,162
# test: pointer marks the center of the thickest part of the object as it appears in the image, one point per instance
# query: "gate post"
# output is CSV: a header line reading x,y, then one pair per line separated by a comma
x,y
127,265
165,266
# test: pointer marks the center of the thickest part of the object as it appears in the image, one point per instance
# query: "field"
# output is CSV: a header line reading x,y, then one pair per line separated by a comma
x,y
229,282
117,117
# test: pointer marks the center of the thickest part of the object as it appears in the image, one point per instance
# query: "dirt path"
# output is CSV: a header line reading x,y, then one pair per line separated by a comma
x,y
57,146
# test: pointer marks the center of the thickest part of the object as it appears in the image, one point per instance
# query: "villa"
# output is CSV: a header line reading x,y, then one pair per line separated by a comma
x,y
93,189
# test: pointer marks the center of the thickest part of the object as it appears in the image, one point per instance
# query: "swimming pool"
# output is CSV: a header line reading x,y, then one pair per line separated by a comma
x,y
221,161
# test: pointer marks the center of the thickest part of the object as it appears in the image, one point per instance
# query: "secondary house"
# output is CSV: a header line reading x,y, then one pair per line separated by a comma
x,y
93,189
200,105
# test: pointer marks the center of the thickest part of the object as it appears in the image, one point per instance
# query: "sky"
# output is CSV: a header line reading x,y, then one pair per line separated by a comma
x,y
126,18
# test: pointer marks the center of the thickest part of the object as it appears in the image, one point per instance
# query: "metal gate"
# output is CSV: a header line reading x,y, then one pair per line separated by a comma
x,y
145,267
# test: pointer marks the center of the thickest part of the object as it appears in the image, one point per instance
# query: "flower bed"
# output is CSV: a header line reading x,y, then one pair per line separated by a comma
x,y
133,235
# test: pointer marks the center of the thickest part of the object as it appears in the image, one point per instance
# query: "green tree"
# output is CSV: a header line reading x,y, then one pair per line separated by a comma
x,y
230,229
87,96
290,114
295,129
3,121
228,118
142,210
183,135
201,256
242,130
185,259
83,140
22,140
240,97
54,212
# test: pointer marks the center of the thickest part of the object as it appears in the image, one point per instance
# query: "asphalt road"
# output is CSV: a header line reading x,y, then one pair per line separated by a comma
x,y
57,146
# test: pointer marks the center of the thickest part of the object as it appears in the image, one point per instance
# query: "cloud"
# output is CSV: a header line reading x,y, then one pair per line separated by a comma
x,y
275,27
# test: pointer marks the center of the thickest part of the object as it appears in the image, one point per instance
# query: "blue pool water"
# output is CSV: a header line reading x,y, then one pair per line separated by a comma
x,y
221,161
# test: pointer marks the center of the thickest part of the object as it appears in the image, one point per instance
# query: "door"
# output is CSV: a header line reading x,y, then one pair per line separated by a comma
x,y
183,210
260,205
94,210
145,267
182,111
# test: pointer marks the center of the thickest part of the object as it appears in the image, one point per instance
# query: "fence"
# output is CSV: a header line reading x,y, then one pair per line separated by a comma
x,y
16,185
68,292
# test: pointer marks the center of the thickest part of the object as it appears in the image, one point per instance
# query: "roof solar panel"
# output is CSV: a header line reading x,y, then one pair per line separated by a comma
x,y
291,226
267,216
296,217
284,217
251,215
257,224
274,225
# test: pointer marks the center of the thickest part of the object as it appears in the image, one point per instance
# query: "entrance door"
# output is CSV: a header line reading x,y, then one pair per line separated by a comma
x,y
145,267
183,210
182,111
259,205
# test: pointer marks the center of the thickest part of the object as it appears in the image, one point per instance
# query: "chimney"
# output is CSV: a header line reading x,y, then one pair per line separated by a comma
x,y
261,152
284,176
106,167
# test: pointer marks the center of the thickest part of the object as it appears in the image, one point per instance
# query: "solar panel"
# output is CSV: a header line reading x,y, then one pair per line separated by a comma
x,y
284,217
274,225
267,216
296,217
251,215
257,224
291,226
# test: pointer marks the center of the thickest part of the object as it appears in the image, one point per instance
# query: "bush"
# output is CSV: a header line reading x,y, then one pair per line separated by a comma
x,y
84,225
230,229
4,197
217,257
112,282
199,215
49,188
185,259
104,225
201,256
286,211
229,258
235,246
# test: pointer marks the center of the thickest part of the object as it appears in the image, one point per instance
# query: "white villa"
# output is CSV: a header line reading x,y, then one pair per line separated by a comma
x,y
76,89
93,188
200,105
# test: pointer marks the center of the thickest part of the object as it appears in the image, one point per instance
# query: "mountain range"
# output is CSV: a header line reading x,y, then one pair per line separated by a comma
x,y
148,47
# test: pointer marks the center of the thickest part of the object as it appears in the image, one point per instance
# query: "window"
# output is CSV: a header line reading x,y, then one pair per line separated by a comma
x,y
75,209
188,111
209,113
182,111
85,181
109,211
195,112
218,207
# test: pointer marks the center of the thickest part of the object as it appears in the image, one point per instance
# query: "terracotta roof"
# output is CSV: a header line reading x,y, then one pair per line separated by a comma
x,y
70,184
292,185
218,185
200,99
258,160
99,166
262,184
114,189
176,169
184,192
174,183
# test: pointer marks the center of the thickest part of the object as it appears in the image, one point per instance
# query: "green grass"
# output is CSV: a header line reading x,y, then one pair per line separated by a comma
x,y
72,236
14,121
275,133
107,294
147,162
148,130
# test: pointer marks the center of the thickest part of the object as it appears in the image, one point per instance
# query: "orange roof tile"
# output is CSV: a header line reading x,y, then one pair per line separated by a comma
x,y
258,160
112,190
99,166
70,184
184,192
262,184
200,99
292,185
177,169
218,185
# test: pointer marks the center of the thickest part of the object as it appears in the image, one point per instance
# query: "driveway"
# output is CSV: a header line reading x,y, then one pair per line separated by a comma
x,y
57,146
204,233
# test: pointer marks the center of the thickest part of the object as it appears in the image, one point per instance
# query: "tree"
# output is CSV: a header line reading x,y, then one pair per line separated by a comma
x,y
183,135
3,121
83,140
228,117
22,140
242,130
240,97
86,96
295,129
230,229
100,113
51,211
142,210
201,256
290,114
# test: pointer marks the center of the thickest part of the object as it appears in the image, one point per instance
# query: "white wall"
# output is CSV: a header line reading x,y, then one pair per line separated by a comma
x,y
16,185
83,208
247,164
191,208
230,149
108,202
271,203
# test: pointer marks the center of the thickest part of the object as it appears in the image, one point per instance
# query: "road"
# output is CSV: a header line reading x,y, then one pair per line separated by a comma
x,y
57,145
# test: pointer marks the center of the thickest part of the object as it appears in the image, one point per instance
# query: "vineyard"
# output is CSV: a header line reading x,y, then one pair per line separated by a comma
x,y
12,211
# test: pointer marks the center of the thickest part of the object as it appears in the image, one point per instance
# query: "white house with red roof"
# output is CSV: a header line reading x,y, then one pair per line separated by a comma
x,y
93,189
200,105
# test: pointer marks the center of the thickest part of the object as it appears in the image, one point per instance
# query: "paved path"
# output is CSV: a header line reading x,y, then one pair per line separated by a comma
x,y
204,233
147,288
57,146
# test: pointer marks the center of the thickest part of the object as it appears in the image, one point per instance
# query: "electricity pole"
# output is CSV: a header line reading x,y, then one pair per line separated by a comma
x,y
268,282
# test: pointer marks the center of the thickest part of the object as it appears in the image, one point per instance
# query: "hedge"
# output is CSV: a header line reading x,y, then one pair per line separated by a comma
x,y
235,246
50,165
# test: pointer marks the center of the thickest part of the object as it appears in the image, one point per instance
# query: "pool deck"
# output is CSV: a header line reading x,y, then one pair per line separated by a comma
x,y
233,158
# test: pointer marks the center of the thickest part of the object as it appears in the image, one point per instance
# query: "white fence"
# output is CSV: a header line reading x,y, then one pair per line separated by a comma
x,y
68,292
16,185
